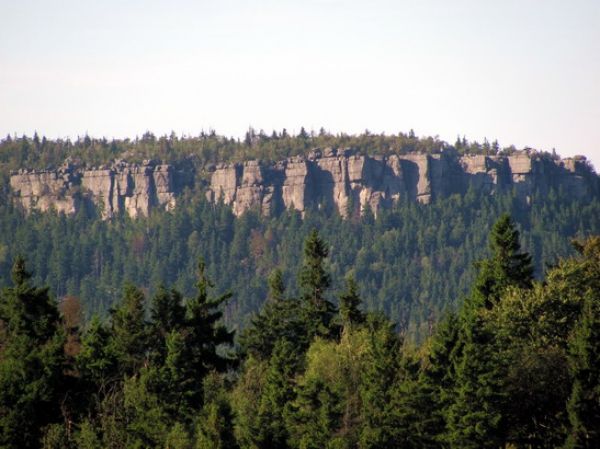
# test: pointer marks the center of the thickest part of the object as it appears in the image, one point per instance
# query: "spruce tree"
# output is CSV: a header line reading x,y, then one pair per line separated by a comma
x,y
31,361
130,330
507,267
477,417
203,330
314,280
279,319
350,301
584,353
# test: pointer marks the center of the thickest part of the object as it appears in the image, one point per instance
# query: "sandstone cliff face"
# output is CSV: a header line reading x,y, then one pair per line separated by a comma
x,y
329,179
123,187
352,183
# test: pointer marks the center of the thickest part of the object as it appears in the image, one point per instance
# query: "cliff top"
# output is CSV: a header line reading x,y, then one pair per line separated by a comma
x,y
209,149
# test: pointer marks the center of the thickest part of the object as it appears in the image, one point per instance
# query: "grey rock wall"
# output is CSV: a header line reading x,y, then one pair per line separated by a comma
x,y
352,182
129,188
330,179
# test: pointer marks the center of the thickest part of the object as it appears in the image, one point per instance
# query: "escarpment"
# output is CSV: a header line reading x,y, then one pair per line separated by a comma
x,y
352,183
337,179
106,191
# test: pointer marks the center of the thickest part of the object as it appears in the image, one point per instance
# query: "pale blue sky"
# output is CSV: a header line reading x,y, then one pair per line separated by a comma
x,y
525,72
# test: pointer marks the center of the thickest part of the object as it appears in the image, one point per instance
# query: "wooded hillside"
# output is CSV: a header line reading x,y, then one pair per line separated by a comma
x,y
516,366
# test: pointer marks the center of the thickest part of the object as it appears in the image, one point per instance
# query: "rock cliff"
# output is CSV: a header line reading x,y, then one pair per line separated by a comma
x,y
133,189
326,179
353,182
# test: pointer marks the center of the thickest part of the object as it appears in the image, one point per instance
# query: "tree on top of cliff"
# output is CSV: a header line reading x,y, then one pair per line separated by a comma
x,y
211,148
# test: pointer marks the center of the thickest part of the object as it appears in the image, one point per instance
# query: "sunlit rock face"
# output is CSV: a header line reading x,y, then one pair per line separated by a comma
x,y
353,183
106,191
331,179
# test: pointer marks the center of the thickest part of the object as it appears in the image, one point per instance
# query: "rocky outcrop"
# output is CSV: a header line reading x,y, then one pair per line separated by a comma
x,y
47,189
106,191
352,183
337,179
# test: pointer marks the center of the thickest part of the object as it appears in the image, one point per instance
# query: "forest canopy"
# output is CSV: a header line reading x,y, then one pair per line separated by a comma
x,y
468,322
514,366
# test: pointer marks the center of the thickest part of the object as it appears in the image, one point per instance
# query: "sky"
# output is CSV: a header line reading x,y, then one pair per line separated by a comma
x,y
523,72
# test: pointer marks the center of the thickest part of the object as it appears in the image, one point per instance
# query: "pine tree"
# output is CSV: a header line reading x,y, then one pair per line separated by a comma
x,y
130,330
350,302
379,380
31,361
279,319
278,391
436,380
477,416
204,332
507,267
584,348
314,282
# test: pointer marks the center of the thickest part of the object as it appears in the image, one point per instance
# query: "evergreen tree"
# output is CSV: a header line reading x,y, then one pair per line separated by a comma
x,y
507,266
205,334
167,314
314,417
436,380
380,426
215,426
32,381
130,330
477,417
314,282
350,302
279,319
98,360
584,348
278,392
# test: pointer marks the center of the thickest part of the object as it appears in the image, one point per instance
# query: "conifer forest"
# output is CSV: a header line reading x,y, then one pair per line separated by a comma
x,y
472,321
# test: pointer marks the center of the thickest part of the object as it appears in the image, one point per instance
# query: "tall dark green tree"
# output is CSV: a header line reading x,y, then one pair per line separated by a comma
x,y
130,330
436,381
31,361
279,319
478,415
507,267
187,346
167,314
349,307
278,392
314,280
584,353
380,426
206,334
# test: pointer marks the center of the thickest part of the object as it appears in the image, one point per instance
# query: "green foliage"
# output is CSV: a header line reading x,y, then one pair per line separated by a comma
x,y
506,267
515,367
202,150
215,426
350,301
32,381
411,262
584,353
314,281
477,415
379,379
130,331
246,399
279,319
145,378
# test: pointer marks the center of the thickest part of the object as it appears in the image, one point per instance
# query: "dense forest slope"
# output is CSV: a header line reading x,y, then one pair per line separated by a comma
x,y
517,366
171,308
411,259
